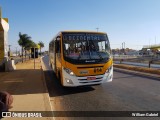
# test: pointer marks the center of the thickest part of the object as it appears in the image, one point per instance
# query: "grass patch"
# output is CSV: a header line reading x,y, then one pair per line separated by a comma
x,y
141,69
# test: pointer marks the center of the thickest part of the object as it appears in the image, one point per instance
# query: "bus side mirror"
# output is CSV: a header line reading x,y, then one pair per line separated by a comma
x,y
58,38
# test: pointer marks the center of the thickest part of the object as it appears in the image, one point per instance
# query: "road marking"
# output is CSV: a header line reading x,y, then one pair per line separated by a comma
x,y
44,68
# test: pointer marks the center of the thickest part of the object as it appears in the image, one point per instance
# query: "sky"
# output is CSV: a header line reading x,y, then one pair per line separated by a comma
x,y
135,22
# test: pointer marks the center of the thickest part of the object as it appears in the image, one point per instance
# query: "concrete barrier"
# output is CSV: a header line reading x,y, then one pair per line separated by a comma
x,y
11,65
157,66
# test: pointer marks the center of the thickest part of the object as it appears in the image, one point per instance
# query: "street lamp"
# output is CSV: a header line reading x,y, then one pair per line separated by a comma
x,y
97,29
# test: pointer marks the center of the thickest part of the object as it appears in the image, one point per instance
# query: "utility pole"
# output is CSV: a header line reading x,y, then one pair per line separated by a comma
x,y
9,47
123,47
34,57
9,52
16,51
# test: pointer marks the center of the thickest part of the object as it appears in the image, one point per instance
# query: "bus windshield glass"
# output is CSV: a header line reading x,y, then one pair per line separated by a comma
x,y
86,47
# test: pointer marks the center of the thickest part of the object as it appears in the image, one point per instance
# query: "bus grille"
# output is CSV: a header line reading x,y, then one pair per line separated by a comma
x,y
88,67
84,80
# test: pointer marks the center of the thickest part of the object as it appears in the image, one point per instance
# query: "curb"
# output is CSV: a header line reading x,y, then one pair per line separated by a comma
x,y
45,86
147,75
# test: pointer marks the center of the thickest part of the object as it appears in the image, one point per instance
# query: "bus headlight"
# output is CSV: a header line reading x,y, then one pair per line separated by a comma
x,y
69,71
109,69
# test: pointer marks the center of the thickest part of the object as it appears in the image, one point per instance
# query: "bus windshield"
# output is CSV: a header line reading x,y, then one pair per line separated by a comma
x,y
86,47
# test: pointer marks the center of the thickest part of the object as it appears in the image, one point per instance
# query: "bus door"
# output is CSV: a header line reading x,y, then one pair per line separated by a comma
x,y
57,56
54,57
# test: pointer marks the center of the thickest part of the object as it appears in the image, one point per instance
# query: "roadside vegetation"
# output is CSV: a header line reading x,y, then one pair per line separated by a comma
x,y
41,45
26,43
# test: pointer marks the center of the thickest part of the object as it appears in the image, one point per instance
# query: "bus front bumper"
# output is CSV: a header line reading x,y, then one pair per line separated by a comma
x,y
74,81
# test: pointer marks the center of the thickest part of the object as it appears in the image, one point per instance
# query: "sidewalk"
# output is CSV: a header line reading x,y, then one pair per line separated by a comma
x,y
27,85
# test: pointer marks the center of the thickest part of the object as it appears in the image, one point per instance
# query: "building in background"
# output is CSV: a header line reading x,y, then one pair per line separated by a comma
x,y
151,50
4,27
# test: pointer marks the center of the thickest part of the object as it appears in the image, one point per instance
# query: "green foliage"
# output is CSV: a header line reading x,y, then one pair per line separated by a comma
x,y
25,42
41,44
24,39
29,45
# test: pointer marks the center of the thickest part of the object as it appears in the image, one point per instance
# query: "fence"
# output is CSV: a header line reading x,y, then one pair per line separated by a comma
x,y
137,60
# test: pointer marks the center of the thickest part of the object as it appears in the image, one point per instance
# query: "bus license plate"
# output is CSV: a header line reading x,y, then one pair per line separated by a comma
x,y
91,78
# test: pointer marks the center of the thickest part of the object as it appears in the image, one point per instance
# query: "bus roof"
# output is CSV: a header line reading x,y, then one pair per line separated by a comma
x,y
83,31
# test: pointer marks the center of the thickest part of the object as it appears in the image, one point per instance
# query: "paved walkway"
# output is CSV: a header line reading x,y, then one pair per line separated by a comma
x,y
27,85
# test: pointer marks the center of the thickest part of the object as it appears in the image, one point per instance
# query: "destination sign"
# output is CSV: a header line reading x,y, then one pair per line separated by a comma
x,y
83,37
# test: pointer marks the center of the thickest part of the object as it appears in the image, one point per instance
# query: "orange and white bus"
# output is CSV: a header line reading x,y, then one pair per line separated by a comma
x,y
81,58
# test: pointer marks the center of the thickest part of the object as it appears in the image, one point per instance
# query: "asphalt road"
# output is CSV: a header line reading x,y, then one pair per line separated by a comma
x,y
127,92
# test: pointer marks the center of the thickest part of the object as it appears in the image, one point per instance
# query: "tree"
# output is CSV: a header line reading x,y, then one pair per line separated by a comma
x,y
23,41
30,44
41,44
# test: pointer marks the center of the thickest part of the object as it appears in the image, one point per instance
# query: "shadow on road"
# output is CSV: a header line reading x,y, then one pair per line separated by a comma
x,y
55,88
24,81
